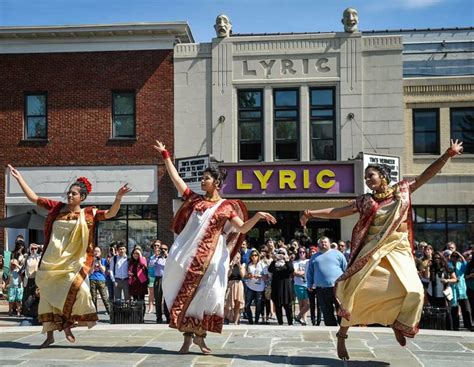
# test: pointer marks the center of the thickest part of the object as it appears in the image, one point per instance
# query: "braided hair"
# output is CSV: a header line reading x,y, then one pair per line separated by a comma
x,y
384,170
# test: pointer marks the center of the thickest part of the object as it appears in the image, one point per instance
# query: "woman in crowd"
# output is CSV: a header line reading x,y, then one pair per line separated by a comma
x,y
65,300
2,278
469,276
234,300
459,265
19,252
382,254
208,231
154,253
29,273
439,277
282,288
137,275
15,288
300,285
255,286
267,308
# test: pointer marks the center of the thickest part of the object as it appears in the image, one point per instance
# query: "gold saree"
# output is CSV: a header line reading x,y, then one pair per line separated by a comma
x,y
65,298
381,285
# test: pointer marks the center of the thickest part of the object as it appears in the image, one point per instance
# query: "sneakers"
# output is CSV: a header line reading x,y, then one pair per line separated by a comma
x,y
301,322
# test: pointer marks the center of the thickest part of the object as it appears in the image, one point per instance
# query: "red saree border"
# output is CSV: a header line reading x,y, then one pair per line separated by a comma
x,y
60,322
406,330
213,323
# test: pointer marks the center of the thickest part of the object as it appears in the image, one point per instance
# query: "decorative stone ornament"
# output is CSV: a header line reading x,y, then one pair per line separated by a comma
x,y
223,26
350,19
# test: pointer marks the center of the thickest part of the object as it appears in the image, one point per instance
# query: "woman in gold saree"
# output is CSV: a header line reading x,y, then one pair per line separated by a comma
x,y
381,284
65,300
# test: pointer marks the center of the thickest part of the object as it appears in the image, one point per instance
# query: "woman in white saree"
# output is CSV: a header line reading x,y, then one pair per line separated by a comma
x,y
210,230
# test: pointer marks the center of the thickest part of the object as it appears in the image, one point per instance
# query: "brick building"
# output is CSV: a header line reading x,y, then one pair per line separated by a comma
x,y
89,101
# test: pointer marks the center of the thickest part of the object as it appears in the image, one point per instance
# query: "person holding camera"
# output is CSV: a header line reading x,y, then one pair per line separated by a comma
x,y
158,262
97,280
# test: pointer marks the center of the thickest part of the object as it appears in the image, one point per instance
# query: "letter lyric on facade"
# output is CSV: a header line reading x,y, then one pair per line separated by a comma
x,y
285,68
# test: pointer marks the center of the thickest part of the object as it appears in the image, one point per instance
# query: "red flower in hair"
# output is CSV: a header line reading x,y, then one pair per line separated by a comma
x,y
86,182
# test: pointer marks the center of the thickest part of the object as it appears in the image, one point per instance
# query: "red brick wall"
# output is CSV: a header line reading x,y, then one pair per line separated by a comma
x,y
79,87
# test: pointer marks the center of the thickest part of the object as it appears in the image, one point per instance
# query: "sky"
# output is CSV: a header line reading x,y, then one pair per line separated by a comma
x,y
247,16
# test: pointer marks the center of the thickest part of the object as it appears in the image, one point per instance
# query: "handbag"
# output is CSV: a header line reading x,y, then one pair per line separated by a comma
x,y
448,293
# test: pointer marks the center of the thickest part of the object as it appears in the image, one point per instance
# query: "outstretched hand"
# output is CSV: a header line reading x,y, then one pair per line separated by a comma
x,y
456,146
268,217
159,146
14,172
123,191
304,218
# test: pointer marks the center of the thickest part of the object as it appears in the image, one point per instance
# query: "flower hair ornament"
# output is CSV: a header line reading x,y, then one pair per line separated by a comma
x,y
86,182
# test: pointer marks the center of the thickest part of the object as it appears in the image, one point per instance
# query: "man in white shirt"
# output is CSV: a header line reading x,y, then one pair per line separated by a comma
x,y
119,273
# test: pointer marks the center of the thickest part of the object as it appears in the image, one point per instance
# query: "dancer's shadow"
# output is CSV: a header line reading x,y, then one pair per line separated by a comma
x,y
300,360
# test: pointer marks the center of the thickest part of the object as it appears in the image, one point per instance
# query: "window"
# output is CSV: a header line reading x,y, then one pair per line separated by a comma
x,y
462,127
439,224
36,116
133,224
123,115
426,131
286,120
250,125
323,124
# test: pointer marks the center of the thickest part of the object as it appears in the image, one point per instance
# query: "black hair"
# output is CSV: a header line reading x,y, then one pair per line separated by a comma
x,y
384,170
218,174
82,188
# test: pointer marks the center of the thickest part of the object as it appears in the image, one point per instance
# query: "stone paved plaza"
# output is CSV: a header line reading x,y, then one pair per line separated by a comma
x,y
262,345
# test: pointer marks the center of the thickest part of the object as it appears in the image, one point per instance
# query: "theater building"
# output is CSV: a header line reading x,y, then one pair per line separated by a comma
x,y
288,115
89,101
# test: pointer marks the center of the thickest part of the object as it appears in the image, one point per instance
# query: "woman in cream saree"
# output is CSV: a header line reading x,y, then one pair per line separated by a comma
x,y
210,231
381,284
65,299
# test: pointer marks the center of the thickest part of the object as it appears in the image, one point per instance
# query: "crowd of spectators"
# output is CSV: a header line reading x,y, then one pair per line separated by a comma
x,y
274,281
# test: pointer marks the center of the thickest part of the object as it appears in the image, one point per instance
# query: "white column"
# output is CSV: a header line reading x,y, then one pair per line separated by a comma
x,y
305,149
268,143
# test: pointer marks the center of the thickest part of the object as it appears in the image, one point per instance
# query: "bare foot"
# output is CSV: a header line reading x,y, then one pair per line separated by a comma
x,y
400,337
187,344
341,349
47,342
69,336
199,341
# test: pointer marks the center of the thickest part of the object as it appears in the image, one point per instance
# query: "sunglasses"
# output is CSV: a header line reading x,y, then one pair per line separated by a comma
x,y
164,248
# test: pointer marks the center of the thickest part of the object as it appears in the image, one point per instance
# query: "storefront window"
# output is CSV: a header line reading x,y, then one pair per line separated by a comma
x,y
250,125
134,225
426,131
441,224
462,127
286,123
323,124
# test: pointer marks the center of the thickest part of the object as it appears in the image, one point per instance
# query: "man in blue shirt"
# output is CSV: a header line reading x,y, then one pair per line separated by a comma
x,y
324,268
158,262
97,280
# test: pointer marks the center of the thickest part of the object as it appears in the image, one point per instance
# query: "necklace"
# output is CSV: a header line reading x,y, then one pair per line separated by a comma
x,y
213,199
379,196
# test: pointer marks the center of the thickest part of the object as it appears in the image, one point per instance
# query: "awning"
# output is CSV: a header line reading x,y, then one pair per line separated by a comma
x,y
295,204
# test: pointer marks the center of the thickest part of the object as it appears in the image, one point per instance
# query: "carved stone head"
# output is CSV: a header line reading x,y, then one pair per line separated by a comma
x,y
223,26
350,19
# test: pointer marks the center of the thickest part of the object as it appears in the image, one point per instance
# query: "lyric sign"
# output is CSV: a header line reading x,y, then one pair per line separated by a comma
x,y
289,179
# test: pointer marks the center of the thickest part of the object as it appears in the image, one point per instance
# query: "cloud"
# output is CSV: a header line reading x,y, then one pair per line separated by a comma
x,y
418,4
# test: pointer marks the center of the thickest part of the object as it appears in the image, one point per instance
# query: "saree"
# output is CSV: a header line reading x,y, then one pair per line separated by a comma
x,y
195,275
65,299
381,284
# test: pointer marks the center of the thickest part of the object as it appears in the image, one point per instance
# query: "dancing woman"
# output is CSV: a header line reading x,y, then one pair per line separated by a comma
x,y
381,283
67,257
195,277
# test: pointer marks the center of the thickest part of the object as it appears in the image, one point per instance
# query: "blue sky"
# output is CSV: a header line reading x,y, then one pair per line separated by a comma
x,y
247,16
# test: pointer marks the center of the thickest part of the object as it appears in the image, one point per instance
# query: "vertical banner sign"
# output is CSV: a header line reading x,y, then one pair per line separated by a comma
x,y
392,161
191,169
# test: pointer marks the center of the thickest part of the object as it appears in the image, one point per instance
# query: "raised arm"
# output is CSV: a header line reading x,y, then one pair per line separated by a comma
x,y
113,210
435,167
244,227
331,213
30,194
173,173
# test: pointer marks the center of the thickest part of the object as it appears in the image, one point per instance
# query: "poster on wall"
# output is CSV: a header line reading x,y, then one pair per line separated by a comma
x,y
191,169
392,161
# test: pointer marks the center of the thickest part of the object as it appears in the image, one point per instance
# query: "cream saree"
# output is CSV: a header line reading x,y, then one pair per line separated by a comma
x,y
65,299
381,284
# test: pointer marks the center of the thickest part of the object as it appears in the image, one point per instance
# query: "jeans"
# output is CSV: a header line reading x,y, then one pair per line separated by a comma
x,y
327,301
160,305
314,308
121,286
251,295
